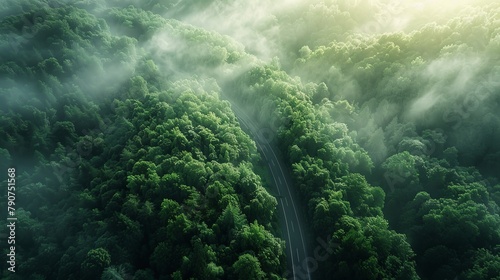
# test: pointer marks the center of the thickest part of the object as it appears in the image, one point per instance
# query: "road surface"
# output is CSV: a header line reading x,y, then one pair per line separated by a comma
x,y
290,221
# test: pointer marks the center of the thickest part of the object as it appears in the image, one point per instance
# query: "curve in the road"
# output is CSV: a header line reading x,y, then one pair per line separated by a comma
x,y
289,211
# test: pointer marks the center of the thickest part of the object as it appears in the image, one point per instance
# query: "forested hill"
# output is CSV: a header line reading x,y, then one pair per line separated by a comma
x,y
125,172
131,163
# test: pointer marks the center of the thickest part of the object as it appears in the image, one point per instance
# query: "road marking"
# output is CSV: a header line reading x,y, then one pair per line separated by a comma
x,y
293,228
272,161
279,180
265,155
251,126
286,200
297,251
289,240
295,211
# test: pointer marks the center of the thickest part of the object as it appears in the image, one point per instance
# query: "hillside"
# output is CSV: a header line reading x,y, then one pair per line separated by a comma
x,y
320,139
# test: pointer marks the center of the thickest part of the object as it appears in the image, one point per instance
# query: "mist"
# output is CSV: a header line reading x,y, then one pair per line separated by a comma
x,y
382,117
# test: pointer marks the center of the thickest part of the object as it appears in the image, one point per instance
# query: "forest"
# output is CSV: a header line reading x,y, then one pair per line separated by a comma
x,y
141,133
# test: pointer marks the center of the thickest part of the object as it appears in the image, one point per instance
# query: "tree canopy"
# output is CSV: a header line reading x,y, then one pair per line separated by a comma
x,y
133,162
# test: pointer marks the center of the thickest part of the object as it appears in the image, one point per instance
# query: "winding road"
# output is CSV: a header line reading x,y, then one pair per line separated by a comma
x,y
290,218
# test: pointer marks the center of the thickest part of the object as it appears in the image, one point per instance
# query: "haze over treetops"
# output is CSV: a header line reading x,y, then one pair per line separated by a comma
x,y
142,133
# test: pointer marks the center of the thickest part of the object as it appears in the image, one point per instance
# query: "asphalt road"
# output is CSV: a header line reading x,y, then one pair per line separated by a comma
x,y
290,218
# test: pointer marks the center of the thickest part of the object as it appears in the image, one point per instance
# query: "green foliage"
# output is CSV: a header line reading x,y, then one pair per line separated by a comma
x,y
94,264
133,166
485,266
149,168
247,267
368,250
324,159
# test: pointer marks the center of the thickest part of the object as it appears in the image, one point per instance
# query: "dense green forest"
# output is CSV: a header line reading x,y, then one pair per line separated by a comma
x,y
124,122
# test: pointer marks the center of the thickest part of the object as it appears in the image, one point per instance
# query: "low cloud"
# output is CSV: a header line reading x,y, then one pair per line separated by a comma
x,y
253,24
446,82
